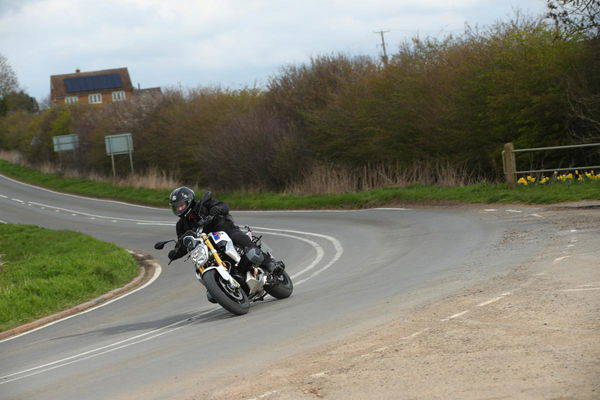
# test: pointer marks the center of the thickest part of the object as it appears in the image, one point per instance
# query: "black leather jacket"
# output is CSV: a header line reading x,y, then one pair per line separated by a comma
x,y
218,213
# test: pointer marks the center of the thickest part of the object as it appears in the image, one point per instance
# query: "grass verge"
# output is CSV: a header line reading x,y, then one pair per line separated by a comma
x,y
44,271
480,193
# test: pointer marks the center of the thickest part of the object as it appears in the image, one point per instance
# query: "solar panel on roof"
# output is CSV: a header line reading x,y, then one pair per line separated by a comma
x,y
96,82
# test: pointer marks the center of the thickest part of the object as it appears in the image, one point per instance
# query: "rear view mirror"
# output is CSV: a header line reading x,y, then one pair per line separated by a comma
x,y
160,245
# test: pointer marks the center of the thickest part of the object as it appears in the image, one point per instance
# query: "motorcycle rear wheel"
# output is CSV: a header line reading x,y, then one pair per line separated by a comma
x,y
283,288
230,298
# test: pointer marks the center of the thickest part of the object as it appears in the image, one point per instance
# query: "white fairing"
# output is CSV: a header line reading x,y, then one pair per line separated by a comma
x,y
219,237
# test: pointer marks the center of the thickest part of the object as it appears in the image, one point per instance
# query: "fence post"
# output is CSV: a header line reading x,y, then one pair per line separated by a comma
x,y
510,165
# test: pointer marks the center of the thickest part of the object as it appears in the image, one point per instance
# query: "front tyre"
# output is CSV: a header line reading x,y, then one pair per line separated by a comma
x,y
282,286
230,298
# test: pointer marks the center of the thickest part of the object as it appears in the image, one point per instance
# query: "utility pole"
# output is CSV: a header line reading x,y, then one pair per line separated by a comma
x,y
384,58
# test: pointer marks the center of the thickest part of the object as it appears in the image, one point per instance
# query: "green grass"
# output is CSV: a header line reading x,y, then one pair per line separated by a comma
x,y
44,271
480,193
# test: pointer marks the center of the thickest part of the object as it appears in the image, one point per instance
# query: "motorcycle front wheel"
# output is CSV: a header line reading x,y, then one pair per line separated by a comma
x,y
283,287
229,297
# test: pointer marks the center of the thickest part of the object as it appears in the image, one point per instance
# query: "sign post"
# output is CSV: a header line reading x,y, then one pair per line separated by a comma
x,y
62,143
119,144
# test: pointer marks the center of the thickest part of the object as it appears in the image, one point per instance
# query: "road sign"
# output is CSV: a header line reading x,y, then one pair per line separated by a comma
x,y
65,142
118,144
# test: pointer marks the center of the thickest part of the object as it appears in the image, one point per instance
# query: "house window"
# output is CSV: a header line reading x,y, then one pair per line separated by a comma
x,y
95,98
118,96
71,99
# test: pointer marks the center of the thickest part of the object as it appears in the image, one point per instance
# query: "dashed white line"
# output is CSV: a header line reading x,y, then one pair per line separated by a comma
x,y
76,196
415,334
490,209
536,215
460,314
18,201
559,259
580,289
514,211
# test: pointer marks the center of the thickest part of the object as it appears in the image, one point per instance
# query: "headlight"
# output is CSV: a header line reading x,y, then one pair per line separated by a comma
x,y
200,254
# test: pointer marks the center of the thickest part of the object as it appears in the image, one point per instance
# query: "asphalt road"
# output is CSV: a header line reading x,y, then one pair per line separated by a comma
x,y
167,339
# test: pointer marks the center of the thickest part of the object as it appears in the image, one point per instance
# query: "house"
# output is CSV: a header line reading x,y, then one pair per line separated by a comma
x,y
94,87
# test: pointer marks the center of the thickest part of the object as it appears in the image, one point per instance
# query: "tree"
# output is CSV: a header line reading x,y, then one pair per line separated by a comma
x,y
20,101
8,78
576,16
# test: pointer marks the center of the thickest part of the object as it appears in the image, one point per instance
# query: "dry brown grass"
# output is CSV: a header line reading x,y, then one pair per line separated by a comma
x,y
153,178
331,179
12,156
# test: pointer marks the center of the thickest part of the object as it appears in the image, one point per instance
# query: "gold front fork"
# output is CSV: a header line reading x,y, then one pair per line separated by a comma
x,y
212,249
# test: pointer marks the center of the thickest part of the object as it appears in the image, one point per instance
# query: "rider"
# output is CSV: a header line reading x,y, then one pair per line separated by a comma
x,y
214,215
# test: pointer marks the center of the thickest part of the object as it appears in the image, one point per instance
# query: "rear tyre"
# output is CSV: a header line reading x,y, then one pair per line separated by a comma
x,y
230,298
283,286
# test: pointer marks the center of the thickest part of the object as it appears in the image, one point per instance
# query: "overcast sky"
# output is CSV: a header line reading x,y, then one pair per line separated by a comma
x,y
230,43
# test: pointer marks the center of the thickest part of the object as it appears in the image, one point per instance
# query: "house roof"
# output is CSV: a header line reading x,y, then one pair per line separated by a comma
x,y
88,82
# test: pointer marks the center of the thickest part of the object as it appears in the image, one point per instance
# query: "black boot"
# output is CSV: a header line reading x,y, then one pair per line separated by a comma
x,y
272,266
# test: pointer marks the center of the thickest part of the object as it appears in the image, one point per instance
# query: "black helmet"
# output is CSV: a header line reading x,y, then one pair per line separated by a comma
x,y
181,200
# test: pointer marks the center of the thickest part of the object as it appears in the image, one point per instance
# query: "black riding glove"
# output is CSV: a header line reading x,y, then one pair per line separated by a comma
x,y
214,211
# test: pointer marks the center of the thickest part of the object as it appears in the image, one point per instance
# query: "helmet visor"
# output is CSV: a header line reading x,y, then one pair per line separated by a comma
x,y
180,207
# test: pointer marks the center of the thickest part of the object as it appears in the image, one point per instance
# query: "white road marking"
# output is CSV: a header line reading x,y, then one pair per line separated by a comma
x,y
580,289
381,349
514,211
90,215
315,245
536,215
18,201
495,299
339,250
320,211
78,197
262,396
157,272
2,222
491,209
415,334
571,245
573,230
559,259
455,316
3,196
92,353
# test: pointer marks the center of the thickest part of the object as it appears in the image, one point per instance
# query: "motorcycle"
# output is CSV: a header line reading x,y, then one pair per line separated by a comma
x,y
216,259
